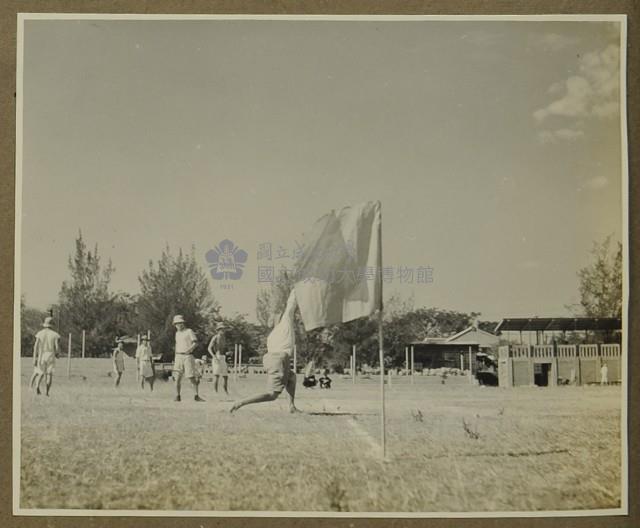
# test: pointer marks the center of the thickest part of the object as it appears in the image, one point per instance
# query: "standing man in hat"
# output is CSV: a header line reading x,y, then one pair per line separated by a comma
x,y
217,348
45,351
184,363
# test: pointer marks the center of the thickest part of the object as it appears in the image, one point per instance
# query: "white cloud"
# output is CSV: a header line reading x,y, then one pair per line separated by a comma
x,y
561,134
591,94
553,41
573,104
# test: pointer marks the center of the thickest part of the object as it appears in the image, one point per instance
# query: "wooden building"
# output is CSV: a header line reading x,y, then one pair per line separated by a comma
x,y
456,351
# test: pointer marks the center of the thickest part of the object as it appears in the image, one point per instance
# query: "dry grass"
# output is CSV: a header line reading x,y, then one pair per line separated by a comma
x,y
90,446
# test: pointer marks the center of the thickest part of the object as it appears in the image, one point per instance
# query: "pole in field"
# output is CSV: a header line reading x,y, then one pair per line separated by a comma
x,y
353,365
83,342
69,358
383,424
406,360
240,357
382,398
412,365
137,366
235,362
470,367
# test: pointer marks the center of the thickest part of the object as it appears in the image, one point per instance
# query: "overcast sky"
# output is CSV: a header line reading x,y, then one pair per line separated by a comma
x,y
494,148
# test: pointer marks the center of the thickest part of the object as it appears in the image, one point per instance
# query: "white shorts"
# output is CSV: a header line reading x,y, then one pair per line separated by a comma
x,y
185,364
219,370
279,372
47,363
146,370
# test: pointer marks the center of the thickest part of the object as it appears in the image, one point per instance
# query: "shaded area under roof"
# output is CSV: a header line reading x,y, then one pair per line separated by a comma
x,y
535,324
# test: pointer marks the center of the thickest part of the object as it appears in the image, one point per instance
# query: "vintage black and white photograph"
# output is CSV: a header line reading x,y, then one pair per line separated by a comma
x,y
357,266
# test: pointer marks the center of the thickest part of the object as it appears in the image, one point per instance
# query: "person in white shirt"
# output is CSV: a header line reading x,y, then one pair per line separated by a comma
x,y
277,362
184,364
45,352
144,358
216,350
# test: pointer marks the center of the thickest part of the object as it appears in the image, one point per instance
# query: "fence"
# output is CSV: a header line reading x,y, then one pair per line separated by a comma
x,y
548,365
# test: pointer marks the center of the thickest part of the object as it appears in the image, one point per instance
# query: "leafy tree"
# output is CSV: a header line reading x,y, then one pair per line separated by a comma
x,y
600,283
240,331
420,323
488,326
31,320
263,308
396,306
271,302
363,333
175,284
85,303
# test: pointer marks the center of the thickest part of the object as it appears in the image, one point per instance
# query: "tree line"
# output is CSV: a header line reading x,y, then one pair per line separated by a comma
x,y
175,283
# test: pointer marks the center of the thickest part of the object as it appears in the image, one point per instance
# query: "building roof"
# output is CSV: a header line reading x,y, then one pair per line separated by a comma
x,y
534,324
470,336
474,329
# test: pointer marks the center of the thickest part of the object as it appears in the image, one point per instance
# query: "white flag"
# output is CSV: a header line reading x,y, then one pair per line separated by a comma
x,y
337,277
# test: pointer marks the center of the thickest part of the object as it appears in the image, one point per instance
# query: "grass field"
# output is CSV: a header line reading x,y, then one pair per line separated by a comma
x,y
91,446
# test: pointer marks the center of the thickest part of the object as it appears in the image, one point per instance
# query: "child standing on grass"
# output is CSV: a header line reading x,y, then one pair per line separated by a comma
x,y
118,361
145,363
216,349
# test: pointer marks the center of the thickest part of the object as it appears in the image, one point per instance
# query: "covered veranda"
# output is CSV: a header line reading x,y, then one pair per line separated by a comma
x,y
544,330
552,359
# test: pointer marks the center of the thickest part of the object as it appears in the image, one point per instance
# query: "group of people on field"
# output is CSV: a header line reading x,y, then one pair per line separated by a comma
x,y
185,365
277,360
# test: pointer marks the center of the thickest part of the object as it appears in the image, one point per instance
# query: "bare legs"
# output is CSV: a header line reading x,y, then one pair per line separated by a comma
x,y
118,378
195,382
291,391
270,396
178,386
36,380
224,383
36,376
149,380
267,396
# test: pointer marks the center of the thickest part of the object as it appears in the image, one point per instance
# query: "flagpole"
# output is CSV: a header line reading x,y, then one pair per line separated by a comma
x,y
381,343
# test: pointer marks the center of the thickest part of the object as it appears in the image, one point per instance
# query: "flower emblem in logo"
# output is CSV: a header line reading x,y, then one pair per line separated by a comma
x,y
226,261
